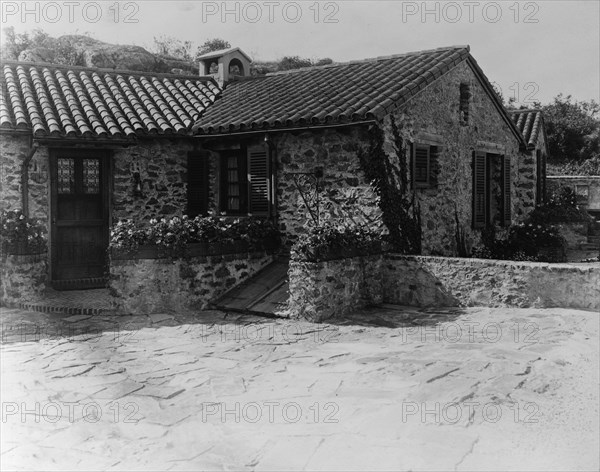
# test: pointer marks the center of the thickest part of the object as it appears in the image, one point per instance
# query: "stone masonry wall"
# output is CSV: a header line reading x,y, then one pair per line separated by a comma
x,y
335,151
437,281
321,290
22,278
157,285
13,150
435,111
163,171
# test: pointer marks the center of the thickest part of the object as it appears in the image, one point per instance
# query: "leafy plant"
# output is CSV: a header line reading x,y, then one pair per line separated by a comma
x,y
561,207
175,233
18,232
327,242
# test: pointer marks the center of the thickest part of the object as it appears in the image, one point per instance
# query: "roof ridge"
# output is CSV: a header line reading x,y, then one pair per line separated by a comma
x,y
370,59
526,110
102,70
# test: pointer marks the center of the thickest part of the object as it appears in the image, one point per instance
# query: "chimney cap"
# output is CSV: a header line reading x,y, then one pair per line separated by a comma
x,y
223,52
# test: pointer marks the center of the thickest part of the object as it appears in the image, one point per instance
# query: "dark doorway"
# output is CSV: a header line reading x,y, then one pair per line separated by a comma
x,y
79,218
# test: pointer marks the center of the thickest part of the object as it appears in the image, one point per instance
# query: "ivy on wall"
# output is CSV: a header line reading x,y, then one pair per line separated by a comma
x,y
401,213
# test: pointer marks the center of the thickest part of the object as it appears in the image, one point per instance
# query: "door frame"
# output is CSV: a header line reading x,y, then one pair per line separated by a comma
x,y
105,156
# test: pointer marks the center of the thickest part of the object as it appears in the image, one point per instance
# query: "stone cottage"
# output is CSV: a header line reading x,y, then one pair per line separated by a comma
x,y
82,148
531,124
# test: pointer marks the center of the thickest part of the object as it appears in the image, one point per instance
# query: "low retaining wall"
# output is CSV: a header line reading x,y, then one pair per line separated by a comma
x,y
22,278
438,281
156,285
320,290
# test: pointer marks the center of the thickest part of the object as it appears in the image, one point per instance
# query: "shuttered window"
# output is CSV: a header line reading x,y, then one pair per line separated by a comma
x,y
424,165
480,190
506,191
234,192
258,181
197,185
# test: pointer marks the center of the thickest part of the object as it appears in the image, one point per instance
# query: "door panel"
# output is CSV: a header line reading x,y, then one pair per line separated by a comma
x,y
79,215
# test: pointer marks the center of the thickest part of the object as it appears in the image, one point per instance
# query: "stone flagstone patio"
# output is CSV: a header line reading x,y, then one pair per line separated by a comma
x,y
456,389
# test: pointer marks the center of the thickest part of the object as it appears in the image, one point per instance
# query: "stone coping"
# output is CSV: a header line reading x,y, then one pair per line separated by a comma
x,y
201,259
574,177
553,266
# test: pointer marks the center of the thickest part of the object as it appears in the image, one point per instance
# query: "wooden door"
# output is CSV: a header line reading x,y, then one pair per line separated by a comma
x,y
79,218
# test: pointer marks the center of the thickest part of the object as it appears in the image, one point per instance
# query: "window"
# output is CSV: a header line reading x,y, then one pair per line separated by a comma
x,y
540,161
245,181
465,100
233,182
484,180
424,165
197,186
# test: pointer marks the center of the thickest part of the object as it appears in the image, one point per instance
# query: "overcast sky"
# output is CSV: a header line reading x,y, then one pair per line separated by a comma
x,y
532,50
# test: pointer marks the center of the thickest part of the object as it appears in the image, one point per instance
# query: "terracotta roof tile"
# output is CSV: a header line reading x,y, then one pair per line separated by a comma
x,y
78,102
530,123
331,94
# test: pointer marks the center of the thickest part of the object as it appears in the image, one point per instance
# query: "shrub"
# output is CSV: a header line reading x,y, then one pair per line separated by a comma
x,y
561,207
21,233
327,242
523,242
175,233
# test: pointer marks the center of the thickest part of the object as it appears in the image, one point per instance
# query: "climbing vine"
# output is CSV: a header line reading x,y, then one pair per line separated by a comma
x,y
400,210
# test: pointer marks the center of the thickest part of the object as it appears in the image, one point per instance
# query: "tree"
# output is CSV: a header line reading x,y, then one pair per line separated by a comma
x,y
293,62
573,129
210,45
170,46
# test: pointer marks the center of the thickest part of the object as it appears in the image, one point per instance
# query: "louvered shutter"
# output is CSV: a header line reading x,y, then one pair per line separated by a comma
x,y
506,187
479,190
434,152
197,185
258,181
421,168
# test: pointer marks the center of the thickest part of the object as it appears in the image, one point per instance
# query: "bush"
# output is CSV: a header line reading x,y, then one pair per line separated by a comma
x,y
561,207
21,233
328,242
523,242
175,233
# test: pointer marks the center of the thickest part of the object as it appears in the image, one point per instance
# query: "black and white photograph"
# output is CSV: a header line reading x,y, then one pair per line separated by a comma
x,y
311,235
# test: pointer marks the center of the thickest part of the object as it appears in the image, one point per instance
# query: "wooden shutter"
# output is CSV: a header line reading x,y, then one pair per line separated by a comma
x,y
421,168
258,181
434,152
479,190
506,191
197,185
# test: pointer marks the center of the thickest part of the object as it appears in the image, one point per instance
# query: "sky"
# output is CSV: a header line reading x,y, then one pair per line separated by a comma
x,y
531,50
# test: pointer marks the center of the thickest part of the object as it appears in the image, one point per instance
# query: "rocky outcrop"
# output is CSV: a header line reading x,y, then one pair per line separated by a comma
x,y
89,52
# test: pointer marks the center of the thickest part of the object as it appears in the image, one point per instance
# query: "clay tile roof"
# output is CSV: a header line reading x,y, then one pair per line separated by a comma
x,y
63,101
530,123
330,94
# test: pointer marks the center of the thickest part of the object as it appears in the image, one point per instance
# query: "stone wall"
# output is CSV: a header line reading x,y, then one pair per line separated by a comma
x,y
591,182
163,172
335,152
13,151
435,112
320,290
156,285
437,281
22,278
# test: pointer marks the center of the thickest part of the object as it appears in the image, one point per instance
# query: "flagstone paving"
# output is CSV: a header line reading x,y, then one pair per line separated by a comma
x,y
456,389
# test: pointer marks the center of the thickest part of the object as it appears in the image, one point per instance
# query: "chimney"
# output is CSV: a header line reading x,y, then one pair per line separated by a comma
x,y
225,64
